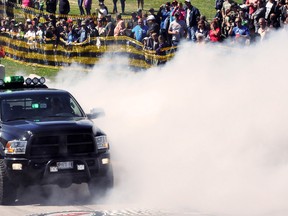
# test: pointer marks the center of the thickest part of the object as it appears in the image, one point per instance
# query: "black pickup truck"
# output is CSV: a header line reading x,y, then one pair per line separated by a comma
x,y
46,138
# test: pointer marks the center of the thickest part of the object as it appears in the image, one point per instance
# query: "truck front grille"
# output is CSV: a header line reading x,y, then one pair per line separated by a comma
x,y
61,145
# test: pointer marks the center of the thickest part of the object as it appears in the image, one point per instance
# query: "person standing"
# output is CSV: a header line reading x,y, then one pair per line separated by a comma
x,y
101,28
157,17
179,8
87,6
240,32
2,52
259,13
120,26
115,6
218,4
122,6
140,30
140,4
252,6
271,7
51,6
202,32
109,28
27,3
80,5
40,33
83,33
131,23
102,12
153,27
192,17
263,30
64,7
215,32
226,6
177,29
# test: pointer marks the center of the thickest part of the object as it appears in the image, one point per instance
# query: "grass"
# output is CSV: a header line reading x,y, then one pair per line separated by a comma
x,y
206,7
14,68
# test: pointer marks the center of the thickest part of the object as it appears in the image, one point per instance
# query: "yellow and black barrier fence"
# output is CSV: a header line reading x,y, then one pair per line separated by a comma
x,y
87,53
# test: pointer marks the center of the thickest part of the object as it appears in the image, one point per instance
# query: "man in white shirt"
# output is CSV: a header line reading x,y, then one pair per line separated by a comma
x,y
177,29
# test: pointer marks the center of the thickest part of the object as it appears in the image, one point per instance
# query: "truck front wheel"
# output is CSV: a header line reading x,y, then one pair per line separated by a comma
x,y
8,191
98,187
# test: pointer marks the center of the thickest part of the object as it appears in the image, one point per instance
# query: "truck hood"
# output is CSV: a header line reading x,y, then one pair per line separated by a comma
x,y
21,127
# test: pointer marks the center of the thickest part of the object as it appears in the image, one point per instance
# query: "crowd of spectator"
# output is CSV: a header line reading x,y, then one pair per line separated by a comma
x,y
169,25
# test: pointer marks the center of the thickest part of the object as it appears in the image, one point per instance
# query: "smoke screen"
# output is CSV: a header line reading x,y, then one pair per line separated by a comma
x,y
205,132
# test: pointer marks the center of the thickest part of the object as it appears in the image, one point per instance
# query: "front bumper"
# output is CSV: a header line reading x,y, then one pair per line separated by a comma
x,y
26,172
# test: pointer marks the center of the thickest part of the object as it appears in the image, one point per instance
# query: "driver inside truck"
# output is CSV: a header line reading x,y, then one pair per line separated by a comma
x,y
56,105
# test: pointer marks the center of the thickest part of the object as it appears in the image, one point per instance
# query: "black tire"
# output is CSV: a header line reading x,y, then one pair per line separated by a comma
x,y
8,191
99,186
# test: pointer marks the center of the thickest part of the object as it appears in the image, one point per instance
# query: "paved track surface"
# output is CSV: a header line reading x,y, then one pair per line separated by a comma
x,y
75,201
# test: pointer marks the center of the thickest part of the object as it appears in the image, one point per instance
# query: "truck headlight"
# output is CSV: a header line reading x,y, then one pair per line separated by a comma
x,y
102,142
15,147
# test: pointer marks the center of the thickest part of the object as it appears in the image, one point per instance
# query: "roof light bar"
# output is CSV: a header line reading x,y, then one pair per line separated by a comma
x,y
35,81
19,82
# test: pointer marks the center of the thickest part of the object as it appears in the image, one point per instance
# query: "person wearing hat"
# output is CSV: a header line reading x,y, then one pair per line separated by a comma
x,y
14,30
177,29
153,26
102,11
83,32
28,21
157,18
40,33
192,17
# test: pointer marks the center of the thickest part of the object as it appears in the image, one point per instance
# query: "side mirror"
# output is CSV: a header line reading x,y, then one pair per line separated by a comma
x,y
95,113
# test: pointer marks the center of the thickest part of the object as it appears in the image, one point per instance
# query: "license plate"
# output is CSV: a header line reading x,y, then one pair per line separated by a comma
x,y
65,165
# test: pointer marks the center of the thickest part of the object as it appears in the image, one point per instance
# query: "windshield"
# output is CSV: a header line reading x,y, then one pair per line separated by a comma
x,y
38,107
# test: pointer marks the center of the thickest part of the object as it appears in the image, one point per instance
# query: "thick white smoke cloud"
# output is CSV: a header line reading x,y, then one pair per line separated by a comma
x,y
207,132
